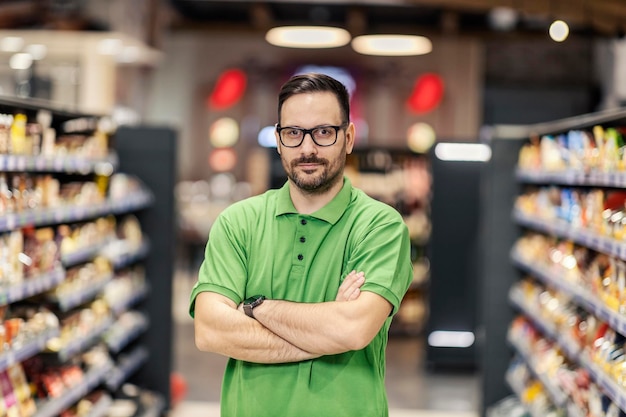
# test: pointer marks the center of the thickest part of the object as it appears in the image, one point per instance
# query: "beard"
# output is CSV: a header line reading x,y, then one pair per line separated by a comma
x,y
318,183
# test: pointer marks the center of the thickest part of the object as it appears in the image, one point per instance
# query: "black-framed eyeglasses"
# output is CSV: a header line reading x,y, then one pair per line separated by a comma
x,y
292,137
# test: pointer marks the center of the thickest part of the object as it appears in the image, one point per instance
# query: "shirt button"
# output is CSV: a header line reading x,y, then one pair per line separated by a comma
x,y
303,222
300,257
303,239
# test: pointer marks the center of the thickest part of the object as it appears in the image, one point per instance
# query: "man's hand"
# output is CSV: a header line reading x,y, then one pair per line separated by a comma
x,y
350,288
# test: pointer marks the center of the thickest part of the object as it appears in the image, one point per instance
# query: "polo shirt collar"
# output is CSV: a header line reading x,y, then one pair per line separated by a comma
x,y
330,213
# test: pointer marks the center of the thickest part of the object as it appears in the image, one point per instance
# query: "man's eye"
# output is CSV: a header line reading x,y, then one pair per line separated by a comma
x,y
323,132
293,132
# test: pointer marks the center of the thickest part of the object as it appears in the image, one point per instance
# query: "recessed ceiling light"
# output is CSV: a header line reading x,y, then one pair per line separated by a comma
x,y
21,61
392,45
11,44
308,37
559,31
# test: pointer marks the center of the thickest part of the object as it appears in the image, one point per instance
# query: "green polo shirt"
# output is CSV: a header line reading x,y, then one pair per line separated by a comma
x,y
262,245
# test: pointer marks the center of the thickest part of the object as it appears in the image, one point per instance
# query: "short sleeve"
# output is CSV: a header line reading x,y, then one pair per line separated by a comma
x,y
224,268
384,254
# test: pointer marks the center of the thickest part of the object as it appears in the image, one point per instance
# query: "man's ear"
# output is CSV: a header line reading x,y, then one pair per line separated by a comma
x,y
277,142
350,137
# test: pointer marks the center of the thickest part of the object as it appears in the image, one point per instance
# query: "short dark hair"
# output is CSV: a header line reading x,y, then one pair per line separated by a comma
x,y
315,83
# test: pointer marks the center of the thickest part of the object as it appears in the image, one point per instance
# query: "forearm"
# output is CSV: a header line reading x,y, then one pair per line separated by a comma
x,y
309,326
228,332
325,328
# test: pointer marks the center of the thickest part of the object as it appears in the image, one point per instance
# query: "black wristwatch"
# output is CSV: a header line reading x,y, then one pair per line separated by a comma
x,y
251,302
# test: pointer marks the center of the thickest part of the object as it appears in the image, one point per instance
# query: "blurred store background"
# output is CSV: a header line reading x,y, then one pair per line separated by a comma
x,y
202,77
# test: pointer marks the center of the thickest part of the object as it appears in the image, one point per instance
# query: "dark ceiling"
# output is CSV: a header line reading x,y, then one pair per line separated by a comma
x,y
587,17
606,18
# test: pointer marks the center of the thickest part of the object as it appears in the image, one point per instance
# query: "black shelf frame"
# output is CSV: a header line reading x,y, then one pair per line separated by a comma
x,y
149,153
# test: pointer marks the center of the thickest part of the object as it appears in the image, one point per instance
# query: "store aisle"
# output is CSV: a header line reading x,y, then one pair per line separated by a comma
x,y
412,389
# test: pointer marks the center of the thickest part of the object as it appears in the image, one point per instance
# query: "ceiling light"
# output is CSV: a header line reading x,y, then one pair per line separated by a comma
x,y
308,37
502,18
421,137
11,44
392,45
21,61
224,132
559,31
471,152
444,338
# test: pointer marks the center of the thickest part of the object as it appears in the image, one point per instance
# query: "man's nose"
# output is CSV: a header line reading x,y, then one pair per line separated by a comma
x,y
308,145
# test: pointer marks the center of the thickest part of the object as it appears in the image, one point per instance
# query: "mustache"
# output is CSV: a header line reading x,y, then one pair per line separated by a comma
x,y
309,160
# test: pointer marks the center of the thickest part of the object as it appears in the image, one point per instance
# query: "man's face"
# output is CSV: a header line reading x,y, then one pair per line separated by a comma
x,y
314,169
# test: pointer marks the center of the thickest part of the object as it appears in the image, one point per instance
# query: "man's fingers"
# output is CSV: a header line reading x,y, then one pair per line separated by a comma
x,y
350,287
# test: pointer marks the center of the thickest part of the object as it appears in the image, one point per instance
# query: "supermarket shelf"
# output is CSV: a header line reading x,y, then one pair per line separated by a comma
x,y
573,178
128,365
41,217
83,255
90,290
580,295
547,329
557,396
607,384
124,304
101,407
118,337
562,229
31,348
70,164
80,344
116,251
156,409
92,379
571,410
31,286
518,391
121,256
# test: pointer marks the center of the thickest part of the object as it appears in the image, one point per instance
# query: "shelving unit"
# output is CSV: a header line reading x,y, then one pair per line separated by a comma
x,y
124,332
503,264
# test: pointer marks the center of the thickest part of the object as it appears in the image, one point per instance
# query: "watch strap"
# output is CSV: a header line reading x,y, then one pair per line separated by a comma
x,y
251,302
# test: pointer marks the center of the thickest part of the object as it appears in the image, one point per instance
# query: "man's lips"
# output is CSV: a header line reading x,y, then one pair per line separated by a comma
x,y
309,165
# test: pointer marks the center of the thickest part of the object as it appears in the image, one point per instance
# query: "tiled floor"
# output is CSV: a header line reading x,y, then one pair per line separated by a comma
x,y
412,389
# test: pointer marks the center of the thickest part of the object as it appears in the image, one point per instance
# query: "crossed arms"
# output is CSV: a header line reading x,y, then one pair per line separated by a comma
x,y
284,331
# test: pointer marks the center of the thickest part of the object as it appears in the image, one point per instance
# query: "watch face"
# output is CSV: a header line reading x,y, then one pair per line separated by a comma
x,y
254,301
251,302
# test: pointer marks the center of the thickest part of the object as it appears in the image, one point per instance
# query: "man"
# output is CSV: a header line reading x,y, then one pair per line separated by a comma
x,y
278,292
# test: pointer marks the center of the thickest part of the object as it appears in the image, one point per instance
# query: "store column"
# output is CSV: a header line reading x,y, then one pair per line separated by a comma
x,y
97,85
